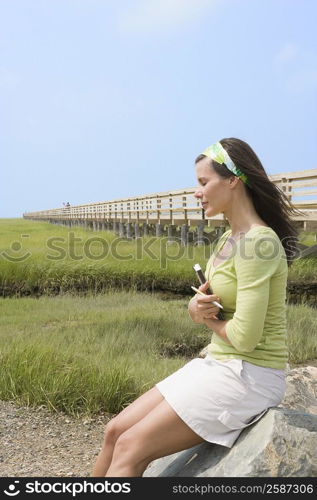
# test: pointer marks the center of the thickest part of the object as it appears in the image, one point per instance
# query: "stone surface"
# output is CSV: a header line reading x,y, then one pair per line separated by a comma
x,y
282,444
301,389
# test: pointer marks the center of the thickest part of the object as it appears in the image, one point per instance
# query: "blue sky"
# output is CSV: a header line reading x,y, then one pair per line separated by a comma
x,y
105,99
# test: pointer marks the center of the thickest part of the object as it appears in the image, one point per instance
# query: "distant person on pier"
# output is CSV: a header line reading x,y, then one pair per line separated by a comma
x,y
213,398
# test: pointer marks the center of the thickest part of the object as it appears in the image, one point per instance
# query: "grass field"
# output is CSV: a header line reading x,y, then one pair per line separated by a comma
x,y
88,354
85,355
91,341
41,258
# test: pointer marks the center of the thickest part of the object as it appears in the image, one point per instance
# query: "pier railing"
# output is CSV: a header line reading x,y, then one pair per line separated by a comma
x,y
180,207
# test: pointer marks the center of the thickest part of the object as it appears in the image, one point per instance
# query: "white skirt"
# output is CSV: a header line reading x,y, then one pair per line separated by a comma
x,y
218,399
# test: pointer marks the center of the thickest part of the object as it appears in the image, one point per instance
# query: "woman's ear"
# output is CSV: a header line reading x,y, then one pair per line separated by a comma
x,y
233,180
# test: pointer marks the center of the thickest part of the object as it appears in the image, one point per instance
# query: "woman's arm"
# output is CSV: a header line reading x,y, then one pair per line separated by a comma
x,y
254,268
202,311
219,328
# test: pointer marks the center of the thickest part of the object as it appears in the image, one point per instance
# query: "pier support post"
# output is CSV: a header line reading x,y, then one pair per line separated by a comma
x,y
121,230
200,235
221,230
129,230
170,233
159,230
184,235
136,230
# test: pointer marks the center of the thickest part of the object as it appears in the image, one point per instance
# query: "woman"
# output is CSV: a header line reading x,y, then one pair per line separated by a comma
x,y
214,398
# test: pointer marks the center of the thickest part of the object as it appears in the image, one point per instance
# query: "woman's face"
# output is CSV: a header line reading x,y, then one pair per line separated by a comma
x,y
213,190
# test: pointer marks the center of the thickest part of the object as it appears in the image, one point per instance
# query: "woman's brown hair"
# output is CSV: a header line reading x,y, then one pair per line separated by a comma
x,y
269,201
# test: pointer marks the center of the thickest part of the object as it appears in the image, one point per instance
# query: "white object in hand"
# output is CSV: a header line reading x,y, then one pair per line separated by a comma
x,y
202,293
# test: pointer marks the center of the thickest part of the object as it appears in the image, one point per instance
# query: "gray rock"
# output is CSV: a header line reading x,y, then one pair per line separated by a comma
x,y
283,443
301,390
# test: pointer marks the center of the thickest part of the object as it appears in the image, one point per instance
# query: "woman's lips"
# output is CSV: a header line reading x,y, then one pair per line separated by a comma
x,y
204,204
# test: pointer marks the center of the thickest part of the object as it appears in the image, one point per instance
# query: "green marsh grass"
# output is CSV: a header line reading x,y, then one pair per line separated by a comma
x,y
302,333
96,354
308,238
63,260
41,258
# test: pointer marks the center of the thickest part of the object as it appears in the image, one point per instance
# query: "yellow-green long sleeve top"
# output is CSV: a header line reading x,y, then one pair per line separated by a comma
x,y
251,283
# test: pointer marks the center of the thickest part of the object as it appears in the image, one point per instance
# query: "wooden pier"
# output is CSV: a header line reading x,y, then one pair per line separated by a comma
x,y
176,212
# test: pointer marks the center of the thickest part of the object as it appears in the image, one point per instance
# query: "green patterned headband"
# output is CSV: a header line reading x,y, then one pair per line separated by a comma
x,y
218,153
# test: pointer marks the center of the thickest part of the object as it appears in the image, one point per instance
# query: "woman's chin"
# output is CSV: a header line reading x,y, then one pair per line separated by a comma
x,y
210,212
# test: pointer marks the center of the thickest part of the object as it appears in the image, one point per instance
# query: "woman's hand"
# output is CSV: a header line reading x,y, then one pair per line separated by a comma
x,y
207,310
201,308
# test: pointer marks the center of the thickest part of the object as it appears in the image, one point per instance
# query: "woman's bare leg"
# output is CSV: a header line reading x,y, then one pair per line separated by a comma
x,y
128,417
160,433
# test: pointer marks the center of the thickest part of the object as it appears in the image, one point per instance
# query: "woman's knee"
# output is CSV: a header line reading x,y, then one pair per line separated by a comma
x,y
129,449
113,430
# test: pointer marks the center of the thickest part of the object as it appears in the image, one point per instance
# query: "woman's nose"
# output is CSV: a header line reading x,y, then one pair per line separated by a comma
x,y
198,193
